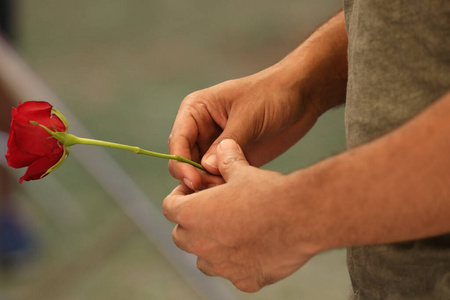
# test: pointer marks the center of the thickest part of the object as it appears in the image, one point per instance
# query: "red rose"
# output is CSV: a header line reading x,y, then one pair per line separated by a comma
x,y
32,146
39,140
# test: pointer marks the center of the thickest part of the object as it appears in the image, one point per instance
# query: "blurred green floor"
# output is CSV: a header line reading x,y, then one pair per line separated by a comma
x,y
123,66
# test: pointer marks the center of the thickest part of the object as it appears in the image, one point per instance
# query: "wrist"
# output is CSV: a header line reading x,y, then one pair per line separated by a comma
x,y
287,77
317,69
313,207
303,213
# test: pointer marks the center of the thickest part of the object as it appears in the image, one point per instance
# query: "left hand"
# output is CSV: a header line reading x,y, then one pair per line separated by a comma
x,y
239,230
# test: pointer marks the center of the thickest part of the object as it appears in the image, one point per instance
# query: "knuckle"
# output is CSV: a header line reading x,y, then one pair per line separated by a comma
x,y
172,209
196,103
177,139
222,269
165,208
199,263
174,170
193,98
202,266
171,169
183,245
247,285
231,159
171,138
175,236
184,215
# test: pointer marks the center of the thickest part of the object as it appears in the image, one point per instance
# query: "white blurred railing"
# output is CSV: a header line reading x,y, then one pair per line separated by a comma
x,y
22,83
65,213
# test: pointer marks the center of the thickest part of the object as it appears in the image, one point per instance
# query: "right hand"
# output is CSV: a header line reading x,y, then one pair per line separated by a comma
x,y
246,230
263,113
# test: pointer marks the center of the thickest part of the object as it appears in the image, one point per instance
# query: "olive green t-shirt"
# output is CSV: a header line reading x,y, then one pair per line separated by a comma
x,y
399,63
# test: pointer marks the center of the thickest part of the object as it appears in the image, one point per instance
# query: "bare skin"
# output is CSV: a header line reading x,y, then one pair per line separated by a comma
x,y
260,226
266,113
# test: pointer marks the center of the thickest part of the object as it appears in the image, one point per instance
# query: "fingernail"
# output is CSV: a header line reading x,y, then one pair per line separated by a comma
x,y
229,145
211,161
188,183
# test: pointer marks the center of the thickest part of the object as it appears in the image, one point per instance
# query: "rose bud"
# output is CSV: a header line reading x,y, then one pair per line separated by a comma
x,y
32,146
39,140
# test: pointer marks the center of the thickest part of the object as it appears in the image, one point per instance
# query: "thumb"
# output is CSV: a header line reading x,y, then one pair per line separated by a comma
x,y
230,158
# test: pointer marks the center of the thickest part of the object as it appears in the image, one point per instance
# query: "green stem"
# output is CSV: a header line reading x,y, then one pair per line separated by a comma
x,y
71,139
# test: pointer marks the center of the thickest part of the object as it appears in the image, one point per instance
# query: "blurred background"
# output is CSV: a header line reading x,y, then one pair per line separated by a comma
x,y
121,68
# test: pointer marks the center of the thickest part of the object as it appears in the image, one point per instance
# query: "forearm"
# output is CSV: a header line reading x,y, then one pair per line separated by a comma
x,y
393,189
318,67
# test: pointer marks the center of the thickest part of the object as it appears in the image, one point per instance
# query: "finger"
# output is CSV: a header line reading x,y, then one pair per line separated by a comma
x,y
172,204
193,132
188,239
187,173
192,177
230,158
183,142
248,285
233,130
209,181
205,267
225,269
179,237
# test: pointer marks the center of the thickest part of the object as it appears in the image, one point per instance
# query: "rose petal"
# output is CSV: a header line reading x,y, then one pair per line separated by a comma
x,y
34,139
35,109
31,145
40,112
17,158
39,167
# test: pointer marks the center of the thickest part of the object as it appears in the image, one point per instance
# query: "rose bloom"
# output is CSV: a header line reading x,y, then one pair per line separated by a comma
x,y
31,145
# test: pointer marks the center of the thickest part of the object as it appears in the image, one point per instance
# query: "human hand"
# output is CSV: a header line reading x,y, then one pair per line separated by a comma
x,y
241,230
264,113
